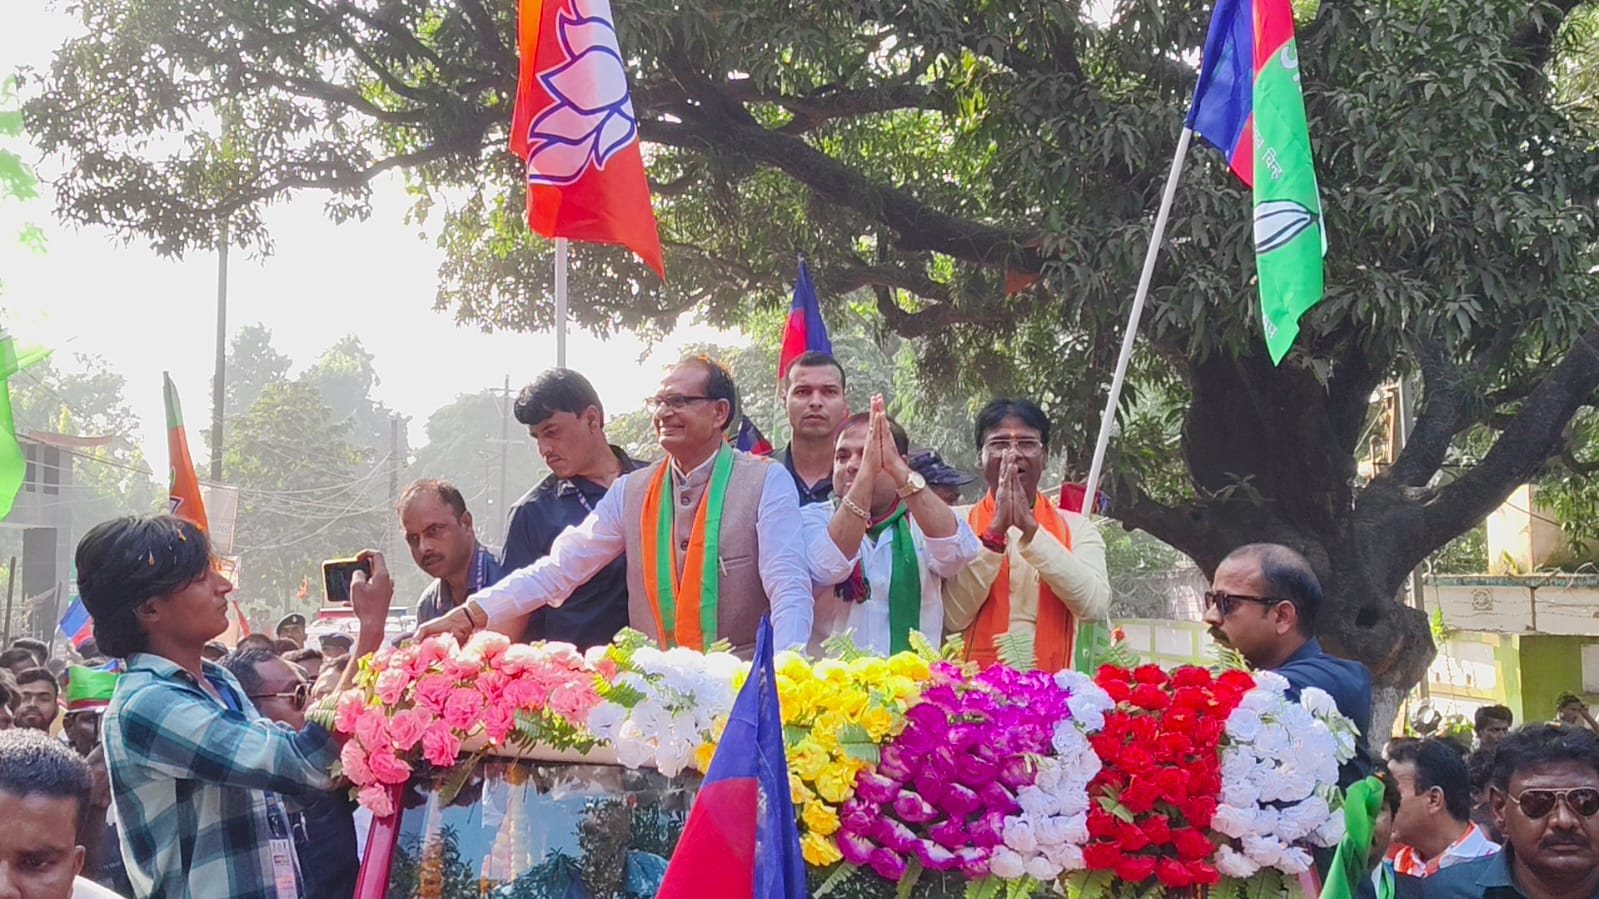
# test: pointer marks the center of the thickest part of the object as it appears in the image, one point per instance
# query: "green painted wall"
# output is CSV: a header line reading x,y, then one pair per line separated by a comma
x,y
1549,666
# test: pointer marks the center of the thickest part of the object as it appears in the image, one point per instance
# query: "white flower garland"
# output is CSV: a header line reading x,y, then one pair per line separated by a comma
x,y
1279,766
1047,838
686,698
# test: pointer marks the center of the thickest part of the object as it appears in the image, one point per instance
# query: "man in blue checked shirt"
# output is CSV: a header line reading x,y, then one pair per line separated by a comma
x,y
197,774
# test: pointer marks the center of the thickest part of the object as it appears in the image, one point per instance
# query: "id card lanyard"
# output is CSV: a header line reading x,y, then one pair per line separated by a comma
x,y
285,863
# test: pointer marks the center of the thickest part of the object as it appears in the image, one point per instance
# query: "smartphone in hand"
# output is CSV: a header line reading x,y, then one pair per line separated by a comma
x,y
337,575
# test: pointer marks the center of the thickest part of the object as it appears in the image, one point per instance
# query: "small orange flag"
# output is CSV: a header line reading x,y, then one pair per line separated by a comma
x,y
184,487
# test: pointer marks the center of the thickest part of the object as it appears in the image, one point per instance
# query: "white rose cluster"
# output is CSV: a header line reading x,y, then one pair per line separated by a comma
x,y
686,696
1046,839
1279,761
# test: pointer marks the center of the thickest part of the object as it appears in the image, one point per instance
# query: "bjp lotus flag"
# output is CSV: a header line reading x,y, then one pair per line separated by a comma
x,y
574,126
184,489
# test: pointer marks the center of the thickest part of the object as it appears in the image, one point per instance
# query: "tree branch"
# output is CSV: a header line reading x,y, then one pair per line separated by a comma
x,y
1534,40
1441,417
1533,436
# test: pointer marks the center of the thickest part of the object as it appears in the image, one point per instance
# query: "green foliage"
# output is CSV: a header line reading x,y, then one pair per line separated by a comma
x,y
464,447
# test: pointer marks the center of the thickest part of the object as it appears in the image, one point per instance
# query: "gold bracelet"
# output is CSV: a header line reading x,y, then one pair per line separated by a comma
x,y
855,509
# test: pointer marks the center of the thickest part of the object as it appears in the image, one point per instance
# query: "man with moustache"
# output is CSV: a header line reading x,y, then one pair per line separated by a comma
x,y
438,530
41,699
879,559
563,415
710,536
1545,798
1042,569
1263,602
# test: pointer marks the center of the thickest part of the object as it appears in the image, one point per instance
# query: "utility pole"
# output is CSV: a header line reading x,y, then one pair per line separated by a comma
x,y
394,470
219,376
504,508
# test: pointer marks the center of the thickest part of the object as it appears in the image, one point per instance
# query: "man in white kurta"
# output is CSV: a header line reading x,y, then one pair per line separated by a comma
x,y
855,543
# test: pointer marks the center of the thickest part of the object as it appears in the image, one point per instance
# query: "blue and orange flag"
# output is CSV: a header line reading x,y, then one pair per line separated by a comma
x,y
1248,105
741,840
574,127
805,331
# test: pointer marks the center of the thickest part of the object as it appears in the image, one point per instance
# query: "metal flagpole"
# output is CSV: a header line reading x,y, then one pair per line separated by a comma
x,y
1106,421
560,302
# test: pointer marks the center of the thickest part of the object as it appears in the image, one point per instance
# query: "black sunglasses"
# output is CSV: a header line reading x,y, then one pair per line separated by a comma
x,y
1584,801
298,698
1227,602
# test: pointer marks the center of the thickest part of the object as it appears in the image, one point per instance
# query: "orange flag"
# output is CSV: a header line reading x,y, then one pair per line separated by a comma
x,y
184,487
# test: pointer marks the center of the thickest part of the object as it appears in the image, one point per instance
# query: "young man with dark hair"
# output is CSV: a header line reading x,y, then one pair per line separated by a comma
x,y
1545,796
879,559
1263,602
718,525
1433,829
44,801
813,397
563,415
40,700
196,772
1041,569
1492,723
439,532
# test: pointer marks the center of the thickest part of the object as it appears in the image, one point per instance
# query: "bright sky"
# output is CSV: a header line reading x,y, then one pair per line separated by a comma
x,y
143,314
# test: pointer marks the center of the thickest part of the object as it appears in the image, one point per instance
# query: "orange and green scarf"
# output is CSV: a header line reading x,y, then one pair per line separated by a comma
x,y
684,603
1055,630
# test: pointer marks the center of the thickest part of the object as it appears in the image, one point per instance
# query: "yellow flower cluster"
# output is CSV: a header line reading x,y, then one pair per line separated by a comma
x,y
835,716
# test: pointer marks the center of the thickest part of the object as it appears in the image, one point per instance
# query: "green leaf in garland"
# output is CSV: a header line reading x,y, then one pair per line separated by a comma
x,y
858,744
840,876
1114,807
1230,659
954,649
794,733
842,647
1015,651
907,882
719,646
922,647
457,778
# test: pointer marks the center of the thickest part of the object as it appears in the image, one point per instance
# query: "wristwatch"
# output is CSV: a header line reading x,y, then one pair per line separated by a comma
x,y
913,485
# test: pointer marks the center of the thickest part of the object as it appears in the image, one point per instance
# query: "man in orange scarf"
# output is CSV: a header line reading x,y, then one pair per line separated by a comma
x,y
712,536
1041,569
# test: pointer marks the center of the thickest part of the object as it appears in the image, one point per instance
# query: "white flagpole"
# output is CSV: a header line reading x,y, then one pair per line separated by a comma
x,y
560,302
1106,421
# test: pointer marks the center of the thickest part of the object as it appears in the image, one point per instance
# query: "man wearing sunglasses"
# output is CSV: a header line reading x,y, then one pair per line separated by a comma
x,y
1263,602
1545,796
323,822
1432,829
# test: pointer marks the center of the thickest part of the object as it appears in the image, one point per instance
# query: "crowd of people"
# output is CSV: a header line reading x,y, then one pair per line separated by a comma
x,y
186,768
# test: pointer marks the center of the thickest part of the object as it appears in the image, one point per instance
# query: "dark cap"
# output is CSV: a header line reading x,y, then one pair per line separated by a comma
x,y
336,637
931,467
293,619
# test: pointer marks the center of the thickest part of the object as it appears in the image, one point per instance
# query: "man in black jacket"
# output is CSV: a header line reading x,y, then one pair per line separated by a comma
x,y
564,417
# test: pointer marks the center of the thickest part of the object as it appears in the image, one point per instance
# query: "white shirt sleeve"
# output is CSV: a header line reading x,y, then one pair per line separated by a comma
x,y
827,564
577,554
784,573
946,556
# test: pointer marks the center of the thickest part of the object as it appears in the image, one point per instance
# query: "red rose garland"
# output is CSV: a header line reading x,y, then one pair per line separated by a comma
x,y
1153,800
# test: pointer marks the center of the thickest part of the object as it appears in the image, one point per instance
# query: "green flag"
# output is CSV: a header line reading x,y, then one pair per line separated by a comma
x,y
12,464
